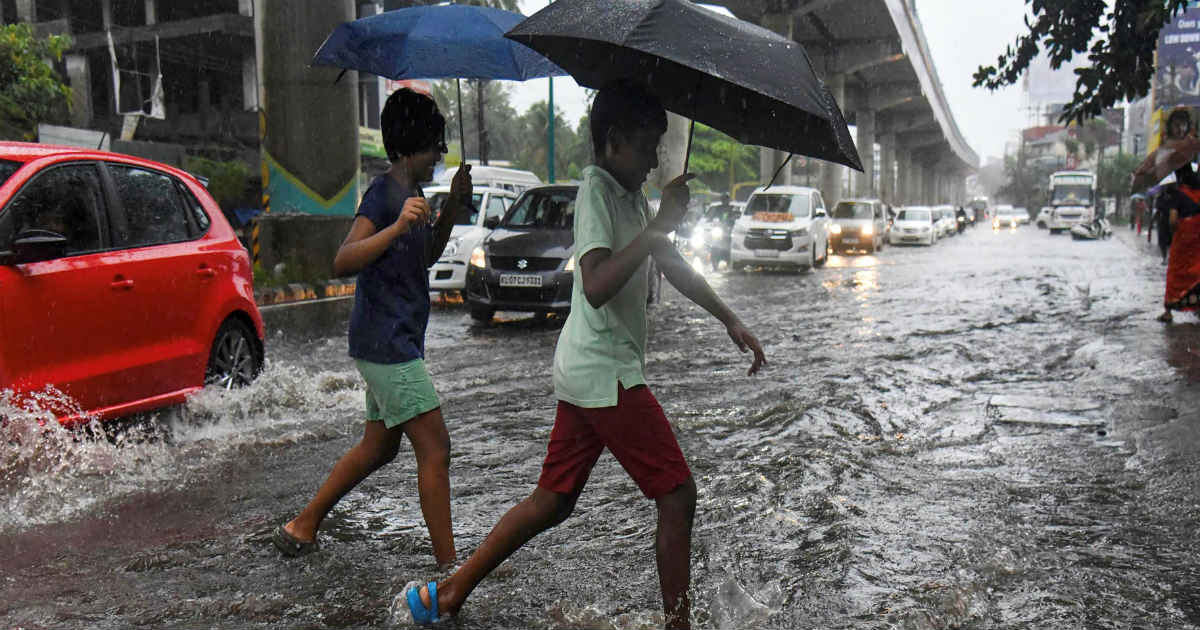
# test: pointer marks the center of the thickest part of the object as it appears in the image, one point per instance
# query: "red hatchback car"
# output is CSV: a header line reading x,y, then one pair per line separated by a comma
x,y
121,283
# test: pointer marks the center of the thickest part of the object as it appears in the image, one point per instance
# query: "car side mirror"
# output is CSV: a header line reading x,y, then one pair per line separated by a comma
x,y
491,222
34,246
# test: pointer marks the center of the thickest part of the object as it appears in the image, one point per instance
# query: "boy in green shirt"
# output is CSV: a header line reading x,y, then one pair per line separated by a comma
x,y
600,359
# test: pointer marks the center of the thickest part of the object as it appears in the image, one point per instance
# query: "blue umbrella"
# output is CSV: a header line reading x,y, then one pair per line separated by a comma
x,y
435,42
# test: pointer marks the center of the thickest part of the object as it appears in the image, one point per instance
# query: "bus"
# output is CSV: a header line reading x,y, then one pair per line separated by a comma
x,y
1072,199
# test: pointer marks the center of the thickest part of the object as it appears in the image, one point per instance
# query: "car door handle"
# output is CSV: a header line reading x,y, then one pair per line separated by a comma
x,y
121,284
206,272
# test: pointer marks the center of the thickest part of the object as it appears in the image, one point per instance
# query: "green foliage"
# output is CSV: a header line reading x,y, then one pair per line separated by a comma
x,y
1120,45
1113,175
572,147
1028,184
718,160
227,181
30,89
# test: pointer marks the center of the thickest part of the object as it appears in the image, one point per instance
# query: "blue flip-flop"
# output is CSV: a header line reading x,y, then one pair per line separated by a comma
x,y
420,614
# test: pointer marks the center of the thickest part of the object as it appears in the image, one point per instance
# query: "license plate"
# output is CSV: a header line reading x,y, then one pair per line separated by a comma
x,y
520,280
850,240
766,253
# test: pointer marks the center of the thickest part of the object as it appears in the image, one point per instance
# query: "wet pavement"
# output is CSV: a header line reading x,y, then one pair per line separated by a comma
x,y
989,433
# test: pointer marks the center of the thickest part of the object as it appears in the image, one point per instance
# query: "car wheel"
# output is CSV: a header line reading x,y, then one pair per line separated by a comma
x,y
235,359
737,267
820,262
481,313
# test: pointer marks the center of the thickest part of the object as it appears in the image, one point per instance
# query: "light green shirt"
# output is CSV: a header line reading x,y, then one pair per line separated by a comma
x,y
599,347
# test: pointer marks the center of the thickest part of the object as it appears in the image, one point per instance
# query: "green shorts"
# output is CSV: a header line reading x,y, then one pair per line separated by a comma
x,y
397,392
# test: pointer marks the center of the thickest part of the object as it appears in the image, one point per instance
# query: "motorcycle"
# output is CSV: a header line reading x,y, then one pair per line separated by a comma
x,y
1097,228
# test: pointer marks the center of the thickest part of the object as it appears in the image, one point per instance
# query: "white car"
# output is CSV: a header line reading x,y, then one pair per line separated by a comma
x,y
1043,217
1007,216
914,225
946,222
449,273
783,226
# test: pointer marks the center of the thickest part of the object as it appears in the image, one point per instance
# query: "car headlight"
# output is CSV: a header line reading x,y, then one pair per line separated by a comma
x,y
800,232
451,247
835,229
697,239
478,259
718,234
868,230
570,264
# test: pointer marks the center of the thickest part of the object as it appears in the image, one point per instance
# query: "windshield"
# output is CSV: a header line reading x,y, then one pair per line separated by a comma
x,y
543,209
1074,195
7,168
438,200
852,210
793,204
913,214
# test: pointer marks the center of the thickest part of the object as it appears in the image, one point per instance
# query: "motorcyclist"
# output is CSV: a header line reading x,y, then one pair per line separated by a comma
x,y
719,220
961,219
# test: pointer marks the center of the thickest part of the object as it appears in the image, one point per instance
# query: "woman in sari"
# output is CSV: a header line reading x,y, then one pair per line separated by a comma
x,y
1183,259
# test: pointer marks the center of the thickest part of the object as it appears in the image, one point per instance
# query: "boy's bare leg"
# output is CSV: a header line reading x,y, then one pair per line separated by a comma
x,y
673,549
538,512
431,446
377,447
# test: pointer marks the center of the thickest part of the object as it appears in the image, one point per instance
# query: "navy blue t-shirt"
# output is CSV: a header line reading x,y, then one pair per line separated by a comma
x,y
391,299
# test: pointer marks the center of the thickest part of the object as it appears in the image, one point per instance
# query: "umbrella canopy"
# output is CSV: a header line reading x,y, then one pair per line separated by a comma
x,y
744,80
434,42
1164,161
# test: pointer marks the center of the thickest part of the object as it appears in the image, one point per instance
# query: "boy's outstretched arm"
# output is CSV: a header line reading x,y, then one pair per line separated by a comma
x,y
691,284
604,271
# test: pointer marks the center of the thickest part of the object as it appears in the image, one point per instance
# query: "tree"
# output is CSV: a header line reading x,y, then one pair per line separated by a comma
x,y
500,119
1113,175
719,161
30,89
1120,45
567,143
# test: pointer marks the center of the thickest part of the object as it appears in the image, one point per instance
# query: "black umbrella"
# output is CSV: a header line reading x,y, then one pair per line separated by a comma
x,y
744,80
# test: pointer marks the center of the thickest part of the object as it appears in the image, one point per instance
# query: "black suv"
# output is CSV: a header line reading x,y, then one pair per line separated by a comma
x,y
526,264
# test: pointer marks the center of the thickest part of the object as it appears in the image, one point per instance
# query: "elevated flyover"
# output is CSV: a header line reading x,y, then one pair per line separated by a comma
x,y
873,56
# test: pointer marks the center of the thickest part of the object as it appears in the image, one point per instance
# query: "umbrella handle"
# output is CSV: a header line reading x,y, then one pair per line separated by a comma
x,y
687,154
779,170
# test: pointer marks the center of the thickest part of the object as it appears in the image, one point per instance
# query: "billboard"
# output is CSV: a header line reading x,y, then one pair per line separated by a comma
x,y
1177,79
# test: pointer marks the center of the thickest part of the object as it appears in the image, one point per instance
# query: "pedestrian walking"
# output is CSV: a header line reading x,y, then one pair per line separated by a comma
x,y
599,361
391,246
1183,262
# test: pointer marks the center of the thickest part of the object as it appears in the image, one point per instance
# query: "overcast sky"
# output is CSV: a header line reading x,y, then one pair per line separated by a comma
x,y
962,35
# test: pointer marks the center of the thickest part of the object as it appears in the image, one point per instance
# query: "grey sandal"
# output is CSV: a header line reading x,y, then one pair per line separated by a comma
x,y
291,546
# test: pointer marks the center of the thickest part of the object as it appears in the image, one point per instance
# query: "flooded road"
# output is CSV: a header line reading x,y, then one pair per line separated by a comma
x,y
989,433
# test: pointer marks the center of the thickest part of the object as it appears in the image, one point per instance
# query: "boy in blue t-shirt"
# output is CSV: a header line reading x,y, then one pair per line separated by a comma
x,y
391,246
603,400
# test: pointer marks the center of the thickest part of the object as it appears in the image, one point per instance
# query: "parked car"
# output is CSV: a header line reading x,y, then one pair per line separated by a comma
x,y
784,226
860,224
914,225
122,285
526,263
1043,217
488,205
947,224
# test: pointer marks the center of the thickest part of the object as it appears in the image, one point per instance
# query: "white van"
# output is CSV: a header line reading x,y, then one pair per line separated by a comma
x,y
449,273
781,226
510,179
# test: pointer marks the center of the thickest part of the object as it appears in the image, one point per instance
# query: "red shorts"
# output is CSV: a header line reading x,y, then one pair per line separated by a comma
x,y
636,432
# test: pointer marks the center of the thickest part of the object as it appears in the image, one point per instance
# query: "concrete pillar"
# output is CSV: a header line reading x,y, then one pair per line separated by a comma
x,y
915,176
887,168
831,174
246,7
80,77
866,152
26,11
310,134
250,83
932,180
674,147
106,13
151,12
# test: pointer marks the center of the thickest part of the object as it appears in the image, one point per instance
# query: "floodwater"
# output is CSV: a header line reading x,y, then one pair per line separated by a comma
x,y
989,433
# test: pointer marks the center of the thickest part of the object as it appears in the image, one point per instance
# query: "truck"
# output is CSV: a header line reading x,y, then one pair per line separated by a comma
x,y
1072,199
